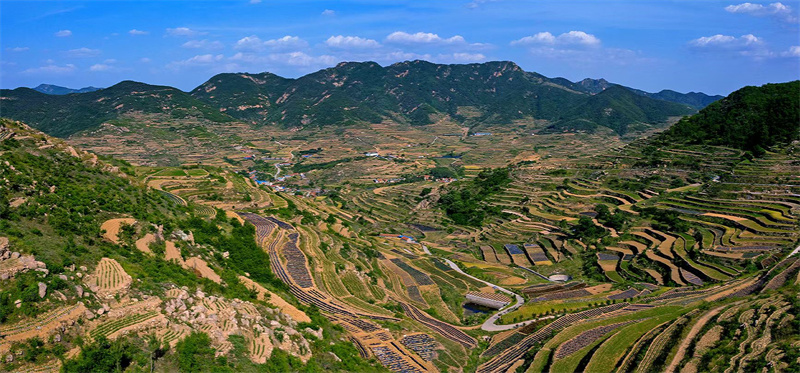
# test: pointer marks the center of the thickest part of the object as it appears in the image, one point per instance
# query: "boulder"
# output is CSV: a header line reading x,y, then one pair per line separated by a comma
x,y
42,289
79,291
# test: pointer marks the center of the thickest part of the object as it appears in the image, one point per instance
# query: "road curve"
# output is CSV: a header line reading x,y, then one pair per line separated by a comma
x,y
490,324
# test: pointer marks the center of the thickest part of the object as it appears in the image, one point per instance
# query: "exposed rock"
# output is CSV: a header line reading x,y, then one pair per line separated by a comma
x,y
79,291
63,277
101,311
42,289
18,303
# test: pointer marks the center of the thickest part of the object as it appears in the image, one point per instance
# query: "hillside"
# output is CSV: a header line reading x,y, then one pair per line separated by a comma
x,y
100,273
64,115
51,89
751,118
415,92
619,109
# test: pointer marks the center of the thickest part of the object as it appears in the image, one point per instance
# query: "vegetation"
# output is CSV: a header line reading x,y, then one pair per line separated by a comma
x,y
751,118
466,203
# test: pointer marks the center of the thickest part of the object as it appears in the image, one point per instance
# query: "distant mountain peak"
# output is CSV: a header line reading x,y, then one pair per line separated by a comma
x,y
52,89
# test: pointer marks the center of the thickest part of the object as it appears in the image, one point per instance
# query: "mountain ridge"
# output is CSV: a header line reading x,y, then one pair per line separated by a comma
x,y
414,92
52,89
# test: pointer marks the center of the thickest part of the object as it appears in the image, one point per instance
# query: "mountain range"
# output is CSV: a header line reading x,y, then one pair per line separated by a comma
x,y
414,92
51,89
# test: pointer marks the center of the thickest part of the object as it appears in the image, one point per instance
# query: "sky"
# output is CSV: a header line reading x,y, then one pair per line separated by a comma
x,y
706,46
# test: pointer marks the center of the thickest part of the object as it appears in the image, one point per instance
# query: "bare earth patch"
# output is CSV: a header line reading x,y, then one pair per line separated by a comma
x,y
112,227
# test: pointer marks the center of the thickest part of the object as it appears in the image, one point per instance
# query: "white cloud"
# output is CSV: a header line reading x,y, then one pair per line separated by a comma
x,y
794,51
583,57
51,69
462,57
286,42
203,44
746,45
83,52
328,12
183,31
776,10
572,38
99,67
135,32
198,60
296,59
63,33
540,38
401,37
720,41
340,41
18,49
255,1
145,60
254,43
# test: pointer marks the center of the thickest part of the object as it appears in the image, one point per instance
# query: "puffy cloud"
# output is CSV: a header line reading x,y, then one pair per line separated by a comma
x,y
145,60
746,45
572,38
401,37
51,69
720,41
351,42
198,60
328,12
63,33
18,49
183,31
286,42
135,32
776,10
254,43
794,51
203,44
83,52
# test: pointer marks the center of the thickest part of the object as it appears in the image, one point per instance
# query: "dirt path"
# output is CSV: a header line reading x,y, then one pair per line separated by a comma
x,y
112,227
698,326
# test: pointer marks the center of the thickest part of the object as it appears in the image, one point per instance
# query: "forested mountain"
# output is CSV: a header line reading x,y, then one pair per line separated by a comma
x,y
63,115
751,118
414,92
51,89
492,92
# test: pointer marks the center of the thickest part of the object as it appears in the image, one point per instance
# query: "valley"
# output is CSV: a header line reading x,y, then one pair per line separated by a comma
x,y
292,246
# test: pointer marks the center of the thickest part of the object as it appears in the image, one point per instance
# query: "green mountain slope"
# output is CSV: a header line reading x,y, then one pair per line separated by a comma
x,y
619,109
752,118
51,89
493,92
54,200
63,115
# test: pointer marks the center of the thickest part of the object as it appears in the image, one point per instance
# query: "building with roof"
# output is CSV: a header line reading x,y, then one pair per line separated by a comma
x,y
491,300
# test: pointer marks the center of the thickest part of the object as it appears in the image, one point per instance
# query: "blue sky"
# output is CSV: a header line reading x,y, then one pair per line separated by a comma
x,y
710,46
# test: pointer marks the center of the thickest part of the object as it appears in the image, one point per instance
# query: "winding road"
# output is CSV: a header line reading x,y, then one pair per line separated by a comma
x,y
490,324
